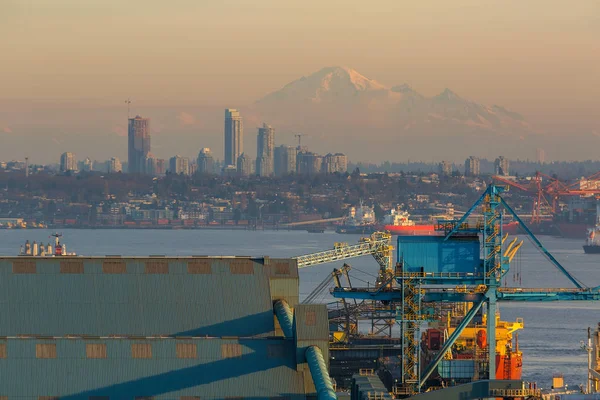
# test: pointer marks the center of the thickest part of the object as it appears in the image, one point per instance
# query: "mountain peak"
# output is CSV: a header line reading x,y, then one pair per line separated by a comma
x,y
448,94
359,81
329,84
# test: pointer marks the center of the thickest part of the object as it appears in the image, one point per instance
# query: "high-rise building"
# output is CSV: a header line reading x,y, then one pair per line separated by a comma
x,y
308,163
284,160
87,165
139,144
234,136
68,162
265,145
540,156
333,163
472,166
445,168
114,165
501,166
161,166
205,162
244,165
150,166
179,165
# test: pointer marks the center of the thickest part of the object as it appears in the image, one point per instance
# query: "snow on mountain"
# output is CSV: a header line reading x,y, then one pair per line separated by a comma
x,y
345,104
327,85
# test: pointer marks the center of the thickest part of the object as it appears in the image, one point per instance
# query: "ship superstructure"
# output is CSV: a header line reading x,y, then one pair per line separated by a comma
x,y
398,222
39,250
360,220
592,244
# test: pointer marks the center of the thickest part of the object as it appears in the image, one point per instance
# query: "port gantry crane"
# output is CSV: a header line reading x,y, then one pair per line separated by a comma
x,y
546,196
378,245
477,282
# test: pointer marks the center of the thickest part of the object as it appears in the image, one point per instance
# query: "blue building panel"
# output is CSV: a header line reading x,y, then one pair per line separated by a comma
x,y
431,254
457,369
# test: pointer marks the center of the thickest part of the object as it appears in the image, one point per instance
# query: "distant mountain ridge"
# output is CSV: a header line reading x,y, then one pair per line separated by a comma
x,y
339,102
343,87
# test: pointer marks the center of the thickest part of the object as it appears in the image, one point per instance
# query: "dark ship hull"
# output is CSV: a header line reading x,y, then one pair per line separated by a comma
x,y
357,229
591,249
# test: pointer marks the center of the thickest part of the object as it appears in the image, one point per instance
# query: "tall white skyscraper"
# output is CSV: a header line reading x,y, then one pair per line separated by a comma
x,y
138,144
179,165
265,145
234,136
68,162
472,166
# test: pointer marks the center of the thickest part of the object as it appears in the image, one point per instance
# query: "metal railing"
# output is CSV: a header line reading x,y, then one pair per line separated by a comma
x,y
341,252
516,393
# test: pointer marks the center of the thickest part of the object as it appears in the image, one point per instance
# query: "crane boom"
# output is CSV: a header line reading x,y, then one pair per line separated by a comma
x,y
378,245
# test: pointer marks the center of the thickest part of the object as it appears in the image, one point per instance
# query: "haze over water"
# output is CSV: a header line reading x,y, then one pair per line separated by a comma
x,y
553,330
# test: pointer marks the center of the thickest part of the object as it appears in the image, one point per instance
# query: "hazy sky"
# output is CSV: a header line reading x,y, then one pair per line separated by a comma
x,y
538,57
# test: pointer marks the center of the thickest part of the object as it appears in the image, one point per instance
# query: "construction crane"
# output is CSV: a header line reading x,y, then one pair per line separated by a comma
x,y
299,136
128,102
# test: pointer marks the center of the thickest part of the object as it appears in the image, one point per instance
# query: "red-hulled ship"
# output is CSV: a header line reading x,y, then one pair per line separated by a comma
x,y
398,222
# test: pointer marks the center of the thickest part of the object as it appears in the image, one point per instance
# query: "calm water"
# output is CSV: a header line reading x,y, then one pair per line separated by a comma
x,y
551,338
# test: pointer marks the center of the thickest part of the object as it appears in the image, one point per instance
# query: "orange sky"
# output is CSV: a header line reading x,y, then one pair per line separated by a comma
x,y
538,57
234,51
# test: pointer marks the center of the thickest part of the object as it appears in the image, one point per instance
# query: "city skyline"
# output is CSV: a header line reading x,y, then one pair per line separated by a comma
x,y
536,58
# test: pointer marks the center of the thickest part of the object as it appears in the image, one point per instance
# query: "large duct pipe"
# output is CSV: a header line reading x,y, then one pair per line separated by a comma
x,y
285,317
319,373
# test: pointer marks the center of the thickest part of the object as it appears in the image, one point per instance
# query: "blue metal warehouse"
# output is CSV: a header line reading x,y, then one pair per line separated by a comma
x,y
159,327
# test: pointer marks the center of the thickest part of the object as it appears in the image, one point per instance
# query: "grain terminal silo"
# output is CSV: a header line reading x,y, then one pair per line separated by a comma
x,y
160,328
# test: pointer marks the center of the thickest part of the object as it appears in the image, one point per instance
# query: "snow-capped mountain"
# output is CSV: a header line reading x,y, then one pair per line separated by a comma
x,y
339,102
332,84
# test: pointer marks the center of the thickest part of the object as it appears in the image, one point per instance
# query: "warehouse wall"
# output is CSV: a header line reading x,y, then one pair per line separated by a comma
x,y
157,368
143,296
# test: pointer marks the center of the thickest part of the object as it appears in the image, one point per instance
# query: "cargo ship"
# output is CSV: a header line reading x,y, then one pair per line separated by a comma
x,y
468,357
361,220
591,245
39,250
398,222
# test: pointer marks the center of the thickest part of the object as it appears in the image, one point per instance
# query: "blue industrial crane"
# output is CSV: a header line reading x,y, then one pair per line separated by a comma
x,y
450,268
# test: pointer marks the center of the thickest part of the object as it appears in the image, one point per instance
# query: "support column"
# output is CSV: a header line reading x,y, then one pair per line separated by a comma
x,y
491,331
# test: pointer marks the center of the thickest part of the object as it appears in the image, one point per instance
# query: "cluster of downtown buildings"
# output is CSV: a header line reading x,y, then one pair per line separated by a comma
x,y
270,160
473,167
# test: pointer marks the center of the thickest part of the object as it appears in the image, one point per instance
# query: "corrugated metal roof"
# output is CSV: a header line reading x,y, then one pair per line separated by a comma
x,y
265,369
136,303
